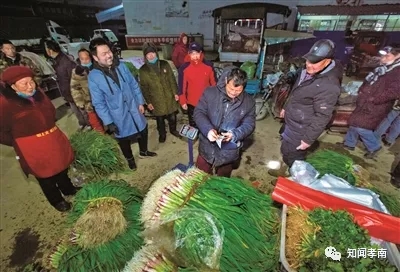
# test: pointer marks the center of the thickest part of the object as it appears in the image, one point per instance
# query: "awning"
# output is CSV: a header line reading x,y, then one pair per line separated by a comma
x,y
110,14
273,36
254,10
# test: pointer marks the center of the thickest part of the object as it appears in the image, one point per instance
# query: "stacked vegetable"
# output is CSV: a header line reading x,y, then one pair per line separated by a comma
x,y
339,165
330,162
216,223
324,228
151,258
105,229
96,155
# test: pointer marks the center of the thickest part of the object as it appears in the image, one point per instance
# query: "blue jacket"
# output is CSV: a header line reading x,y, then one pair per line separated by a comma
x,y
216,110
117,101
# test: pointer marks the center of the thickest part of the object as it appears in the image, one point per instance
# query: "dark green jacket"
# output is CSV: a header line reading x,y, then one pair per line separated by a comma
x,y
159,89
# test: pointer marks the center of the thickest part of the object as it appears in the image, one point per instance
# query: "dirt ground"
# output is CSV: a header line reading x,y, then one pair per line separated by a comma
x,y
30,227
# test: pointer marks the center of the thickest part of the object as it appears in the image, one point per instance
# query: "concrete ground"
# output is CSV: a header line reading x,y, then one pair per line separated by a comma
x,y
30,227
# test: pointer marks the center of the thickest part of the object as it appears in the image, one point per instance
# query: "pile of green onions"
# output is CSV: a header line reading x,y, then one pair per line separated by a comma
x,y
96,154
246,217
110,255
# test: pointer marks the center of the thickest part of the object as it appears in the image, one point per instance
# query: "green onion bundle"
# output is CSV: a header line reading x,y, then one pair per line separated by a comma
x,y
96,154
337,229
245,220
107,241
150,259
330,162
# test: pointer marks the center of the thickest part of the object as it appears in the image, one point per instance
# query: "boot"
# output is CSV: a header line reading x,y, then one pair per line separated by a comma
x,y
132,163
281,172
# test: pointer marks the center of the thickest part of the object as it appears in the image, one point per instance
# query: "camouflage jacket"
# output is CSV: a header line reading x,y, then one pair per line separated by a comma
x,y
80,91
22,61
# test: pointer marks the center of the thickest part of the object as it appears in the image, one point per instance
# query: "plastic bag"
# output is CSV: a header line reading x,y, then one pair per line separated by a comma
x,y
199,237
249,68
303,172
378,224
352,87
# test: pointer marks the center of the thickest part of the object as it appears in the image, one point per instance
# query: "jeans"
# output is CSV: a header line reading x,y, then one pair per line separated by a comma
x,y
391,122
367,136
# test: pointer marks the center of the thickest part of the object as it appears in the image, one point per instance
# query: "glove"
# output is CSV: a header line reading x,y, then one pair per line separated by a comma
x,y
112,128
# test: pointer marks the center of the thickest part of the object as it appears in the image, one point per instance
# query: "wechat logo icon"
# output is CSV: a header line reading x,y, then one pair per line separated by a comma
x,y
330,252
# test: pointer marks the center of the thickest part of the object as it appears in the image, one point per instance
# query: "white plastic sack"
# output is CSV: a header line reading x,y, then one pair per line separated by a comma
x,y
305,174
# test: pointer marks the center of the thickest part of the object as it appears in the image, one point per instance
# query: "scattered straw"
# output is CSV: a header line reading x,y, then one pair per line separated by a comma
x,y
296,228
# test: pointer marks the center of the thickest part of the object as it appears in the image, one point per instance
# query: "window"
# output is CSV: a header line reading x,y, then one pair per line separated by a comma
x,y
304,25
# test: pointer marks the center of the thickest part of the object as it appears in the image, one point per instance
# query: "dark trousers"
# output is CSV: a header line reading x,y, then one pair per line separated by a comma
x,y
125,143
190,112
290,153
171,118
52,187
222,171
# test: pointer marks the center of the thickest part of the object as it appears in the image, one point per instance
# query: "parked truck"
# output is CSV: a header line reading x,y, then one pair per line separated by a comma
x,y
29,33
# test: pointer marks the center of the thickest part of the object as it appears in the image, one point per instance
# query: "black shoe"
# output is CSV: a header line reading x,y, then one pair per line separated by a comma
x,y
176,134
147,154
345,146
132,164
162,138
371,155
63,206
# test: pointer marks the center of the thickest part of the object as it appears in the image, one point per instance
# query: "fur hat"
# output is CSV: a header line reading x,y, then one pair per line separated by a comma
x,y
14,73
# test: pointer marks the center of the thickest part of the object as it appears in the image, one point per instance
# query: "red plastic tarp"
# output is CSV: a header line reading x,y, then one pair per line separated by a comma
x,y
378,224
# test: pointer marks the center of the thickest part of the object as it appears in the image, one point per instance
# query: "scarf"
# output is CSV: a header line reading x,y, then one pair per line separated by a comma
x,y
372,77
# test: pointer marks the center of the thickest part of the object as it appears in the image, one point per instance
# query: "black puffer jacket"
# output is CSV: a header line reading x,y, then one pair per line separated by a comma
x,y
311,103
216,110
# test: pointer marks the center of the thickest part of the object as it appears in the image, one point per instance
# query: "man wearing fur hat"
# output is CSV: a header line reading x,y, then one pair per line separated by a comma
x,y
159,88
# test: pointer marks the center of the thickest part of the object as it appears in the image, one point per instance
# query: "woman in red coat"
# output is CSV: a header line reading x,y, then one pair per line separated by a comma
x,y
28,123
180,51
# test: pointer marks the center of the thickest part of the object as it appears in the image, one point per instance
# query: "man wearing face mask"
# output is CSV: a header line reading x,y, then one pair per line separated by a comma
x,y
194,78
310,104
80,90
158,84
375,99
118,101
28,124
